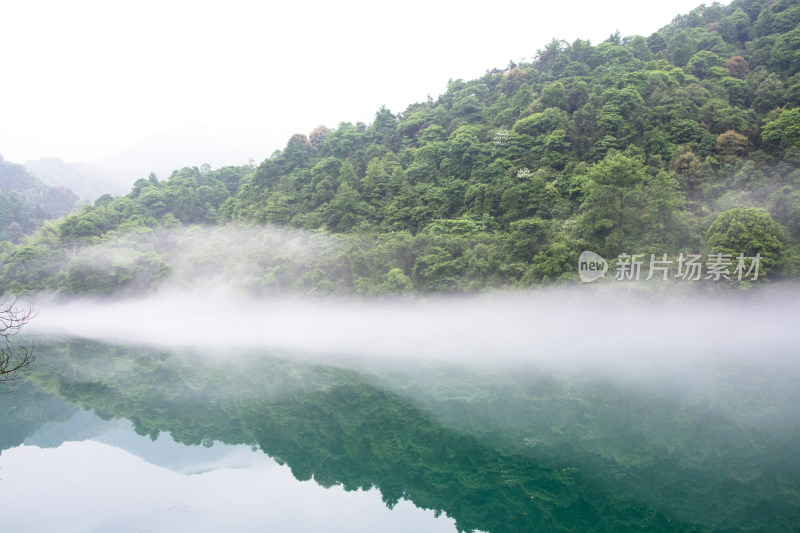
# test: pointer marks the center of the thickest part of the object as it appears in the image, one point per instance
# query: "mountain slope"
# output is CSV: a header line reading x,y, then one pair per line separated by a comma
x,y
26,202
89,182
683,141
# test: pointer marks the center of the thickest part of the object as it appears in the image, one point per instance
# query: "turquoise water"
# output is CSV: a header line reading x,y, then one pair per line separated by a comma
x,y
106,437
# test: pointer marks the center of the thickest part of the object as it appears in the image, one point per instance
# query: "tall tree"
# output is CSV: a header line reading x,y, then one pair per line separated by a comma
x,y
610,212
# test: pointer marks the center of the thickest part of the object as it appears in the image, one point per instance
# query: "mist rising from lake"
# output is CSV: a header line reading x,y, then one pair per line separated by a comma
x,y
570,329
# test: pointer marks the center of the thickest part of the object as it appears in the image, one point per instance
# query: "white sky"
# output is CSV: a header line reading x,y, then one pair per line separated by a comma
x,y
87,78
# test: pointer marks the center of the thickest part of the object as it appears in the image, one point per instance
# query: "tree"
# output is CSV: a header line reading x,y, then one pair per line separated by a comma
x,y
663,202
374,182
731,145
554,95
784,131
527,237
397,282
738,67
15,232
705,64
13,357
542,123
680,48
747,231
317,137
784,56
735,28
768,94
611,211
384,128
639,48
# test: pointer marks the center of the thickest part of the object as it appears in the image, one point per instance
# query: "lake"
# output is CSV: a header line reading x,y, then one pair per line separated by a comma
x,y
109,437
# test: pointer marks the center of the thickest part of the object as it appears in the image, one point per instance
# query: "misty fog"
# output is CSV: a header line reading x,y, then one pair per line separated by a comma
x,y
576,328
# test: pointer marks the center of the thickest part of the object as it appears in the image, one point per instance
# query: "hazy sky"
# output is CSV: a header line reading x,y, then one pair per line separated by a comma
x,y
87,78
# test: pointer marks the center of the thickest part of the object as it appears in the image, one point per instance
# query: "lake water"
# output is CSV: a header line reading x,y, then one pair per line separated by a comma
x,y
112,479
103,437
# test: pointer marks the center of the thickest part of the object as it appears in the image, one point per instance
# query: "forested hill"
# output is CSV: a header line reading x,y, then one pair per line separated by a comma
x,y
26,202
87,181
687,140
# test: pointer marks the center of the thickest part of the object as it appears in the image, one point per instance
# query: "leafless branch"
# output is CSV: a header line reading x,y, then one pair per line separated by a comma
x,y
13,356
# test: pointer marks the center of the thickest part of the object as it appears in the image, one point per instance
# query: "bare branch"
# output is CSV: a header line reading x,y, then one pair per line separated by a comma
x,y
13,357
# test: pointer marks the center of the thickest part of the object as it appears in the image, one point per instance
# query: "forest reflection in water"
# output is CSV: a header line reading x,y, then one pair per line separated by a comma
x,y
119,481
508,450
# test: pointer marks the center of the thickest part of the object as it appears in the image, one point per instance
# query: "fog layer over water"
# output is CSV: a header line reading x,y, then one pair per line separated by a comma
x,y
469,405
575,329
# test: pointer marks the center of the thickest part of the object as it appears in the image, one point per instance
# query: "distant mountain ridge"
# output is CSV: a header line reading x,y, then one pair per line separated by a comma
x,y
26,201
88,181
160,154
163,153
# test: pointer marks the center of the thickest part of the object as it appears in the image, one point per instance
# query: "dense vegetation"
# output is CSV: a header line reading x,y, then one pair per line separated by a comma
x,y
26,202
683,142
636,145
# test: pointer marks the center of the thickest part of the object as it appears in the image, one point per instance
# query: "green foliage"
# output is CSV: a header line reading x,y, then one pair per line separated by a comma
x,y
747,231
664,228
783,132
630,145
541,123
26,202
609,214
680,47
735,28
705,64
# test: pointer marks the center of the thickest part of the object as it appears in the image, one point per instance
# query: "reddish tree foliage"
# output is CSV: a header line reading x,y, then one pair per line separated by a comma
x,y
317,136
738,67
514,79
731,145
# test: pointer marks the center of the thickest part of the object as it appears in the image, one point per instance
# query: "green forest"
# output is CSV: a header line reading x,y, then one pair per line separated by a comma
x,y
683,142
681,149
26,202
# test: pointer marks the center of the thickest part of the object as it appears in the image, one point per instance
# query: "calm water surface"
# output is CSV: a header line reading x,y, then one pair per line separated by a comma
x,y
87,475
119,438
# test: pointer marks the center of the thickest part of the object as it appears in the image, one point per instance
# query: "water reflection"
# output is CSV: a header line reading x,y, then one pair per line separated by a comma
x,y
502,452
90,486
